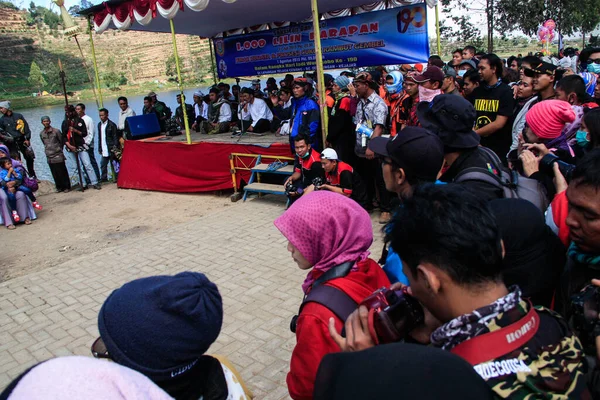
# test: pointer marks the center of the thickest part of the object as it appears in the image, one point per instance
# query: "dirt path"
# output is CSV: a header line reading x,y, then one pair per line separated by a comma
x,y
75,223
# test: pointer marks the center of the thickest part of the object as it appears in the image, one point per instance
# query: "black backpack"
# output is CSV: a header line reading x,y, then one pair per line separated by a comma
x,y
512,184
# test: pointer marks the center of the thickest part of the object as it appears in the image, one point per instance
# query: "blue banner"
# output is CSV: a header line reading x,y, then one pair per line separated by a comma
x,y
394,36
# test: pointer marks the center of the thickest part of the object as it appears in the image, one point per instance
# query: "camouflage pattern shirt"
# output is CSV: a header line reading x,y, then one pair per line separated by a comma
x,y
549,366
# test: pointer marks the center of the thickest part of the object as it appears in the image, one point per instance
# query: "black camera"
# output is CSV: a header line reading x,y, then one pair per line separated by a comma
x,y
547,165
586,308
290,188
396,313
317,182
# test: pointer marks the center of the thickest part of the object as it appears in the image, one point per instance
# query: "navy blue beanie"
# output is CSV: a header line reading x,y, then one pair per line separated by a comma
x,y
161,325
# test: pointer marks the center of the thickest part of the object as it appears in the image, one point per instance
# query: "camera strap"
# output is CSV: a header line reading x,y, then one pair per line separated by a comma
x,y
498,343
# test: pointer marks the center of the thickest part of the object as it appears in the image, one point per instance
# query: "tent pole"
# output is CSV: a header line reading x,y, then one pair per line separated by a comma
x,y
437,27
180,84
319,62
95,63
213,63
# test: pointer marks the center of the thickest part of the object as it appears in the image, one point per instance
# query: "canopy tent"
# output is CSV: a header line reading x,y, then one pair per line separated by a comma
x,y
219,17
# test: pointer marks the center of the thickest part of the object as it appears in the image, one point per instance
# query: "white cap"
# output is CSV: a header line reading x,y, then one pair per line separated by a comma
x,y
329,154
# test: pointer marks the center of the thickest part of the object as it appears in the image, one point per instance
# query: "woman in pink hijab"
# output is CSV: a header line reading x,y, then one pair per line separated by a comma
x,y
328,235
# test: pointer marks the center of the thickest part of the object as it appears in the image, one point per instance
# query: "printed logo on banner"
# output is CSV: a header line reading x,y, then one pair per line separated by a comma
x,y
415,16
393,36
220,48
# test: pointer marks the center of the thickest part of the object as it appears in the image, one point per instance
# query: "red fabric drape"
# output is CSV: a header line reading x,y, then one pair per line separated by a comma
x,y
181,168
142,7
101,15
122,11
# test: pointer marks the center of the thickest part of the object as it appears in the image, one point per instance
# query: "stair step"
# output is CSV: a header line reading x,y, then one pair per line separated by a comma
x,y
264,188
287,170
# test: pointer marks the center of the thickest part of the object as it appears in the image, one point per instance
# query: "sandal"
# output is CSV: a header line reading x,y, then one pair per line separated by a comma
x,y
11,227
27,221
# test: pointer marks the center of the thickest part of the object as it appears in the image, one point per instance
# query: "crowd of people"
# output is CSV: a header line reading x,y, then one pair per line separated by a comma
x,y
74,140
487,174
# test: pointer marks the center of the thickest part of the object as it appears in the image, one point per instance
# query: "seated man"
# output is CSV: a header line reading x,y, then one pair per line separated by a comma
x,y
189,109
340,178
219,114
255,115
451,251
161,327
307,167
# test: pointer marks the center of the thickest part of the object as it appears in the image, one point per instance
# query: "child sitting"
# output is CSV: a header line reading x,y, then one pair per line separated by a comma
x,y
8,174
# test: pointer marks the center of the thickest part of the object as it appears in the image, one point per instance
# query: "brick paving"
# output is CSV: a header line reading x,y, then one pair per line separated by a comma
x,y
54,312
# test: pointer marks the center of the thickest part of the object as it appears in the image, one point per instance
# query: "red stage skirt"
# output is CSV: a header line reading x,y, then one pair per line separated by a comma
x,y
185,168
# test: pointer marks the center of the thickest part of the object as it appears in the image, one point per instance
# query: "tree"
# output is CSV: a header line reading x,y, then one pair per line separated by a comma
x,y
132,67
171,67
111,78
570,15
466,31
36,79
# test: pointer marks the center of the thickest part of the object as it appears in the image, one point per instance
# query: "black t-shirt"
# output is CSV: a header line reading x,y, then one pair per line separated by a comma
x,y
489,103
310,167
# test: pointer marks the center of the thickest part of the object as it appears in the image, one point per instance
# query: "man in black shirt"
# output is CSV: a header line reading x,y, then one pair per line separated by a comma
x,y
307,167
451,118
341,178
493,101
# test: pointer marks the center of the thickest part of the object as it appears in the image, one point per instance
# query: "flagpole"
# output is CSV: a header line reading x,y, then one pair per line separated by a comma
x,y
320,74
180,84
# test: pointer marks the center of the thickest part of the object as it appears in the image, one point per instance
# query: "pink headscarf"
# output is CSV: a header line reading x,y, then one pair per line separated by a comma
x,y
328,229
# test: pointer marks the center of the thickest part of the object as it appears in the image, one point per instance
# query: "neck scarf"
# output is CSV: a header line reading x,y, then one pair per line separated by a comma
x,y
338,97
467,326
328,230
583,258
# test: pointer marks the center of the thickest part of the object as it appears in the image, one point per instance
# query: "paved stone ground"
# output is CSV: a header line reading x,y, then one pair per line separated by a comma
x,y
54,312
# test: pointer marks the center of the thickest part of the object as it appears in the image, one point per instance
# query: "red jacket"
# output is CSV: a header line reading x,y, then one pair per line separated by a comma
x,y
312,334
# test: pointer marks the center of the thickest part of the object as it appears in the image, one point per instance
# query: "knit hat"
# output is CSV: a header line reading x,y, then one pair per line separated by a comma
x,y
77,377
45,117
342,81
548,118
161,325
5,104
198,93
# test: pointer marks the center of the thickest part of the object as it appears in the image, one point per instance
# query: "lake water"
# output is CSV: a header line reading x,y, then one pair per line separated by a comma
x,y
57,115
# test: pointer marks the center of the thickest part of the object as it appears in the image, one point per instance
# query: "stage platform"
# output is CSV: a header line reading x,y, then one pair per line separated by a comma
x,y
169,164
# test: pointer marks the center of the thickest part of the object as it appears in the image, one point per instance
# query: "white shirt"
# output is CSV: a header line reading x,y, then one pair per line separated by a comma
x,y
256,111
123,116
89,124
103,126
225,113
201,110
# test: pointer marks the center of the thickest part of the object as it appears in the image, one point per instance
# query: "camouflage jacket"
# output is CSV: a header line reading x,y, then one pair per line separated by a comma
x,y
549,366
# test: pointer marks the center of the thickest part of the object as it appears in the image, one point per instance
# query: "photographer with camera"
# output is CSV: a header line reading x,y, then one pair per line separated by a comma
x,y
307,168
543,142
328,236
451,249
339,178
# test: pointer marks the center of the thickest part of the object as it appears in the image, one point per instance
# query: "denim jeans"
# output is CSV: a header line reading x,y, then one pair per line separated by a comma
x,y
86,164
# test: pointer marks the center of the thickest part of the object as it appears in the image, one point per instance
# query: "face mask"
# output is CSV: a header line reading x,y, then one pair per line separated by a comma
x,y
582,139
595,68
462,72
428,94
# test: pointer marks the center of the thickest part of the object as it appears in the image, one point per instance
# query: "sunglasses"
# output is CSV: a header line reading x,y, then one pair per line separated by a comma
x,y
596,61
99,349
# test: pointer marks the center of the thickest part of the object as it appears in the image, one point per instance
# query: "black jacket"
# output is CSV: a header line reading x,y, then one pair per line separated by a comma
x,y
76,139
112,137
469,159
8,124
